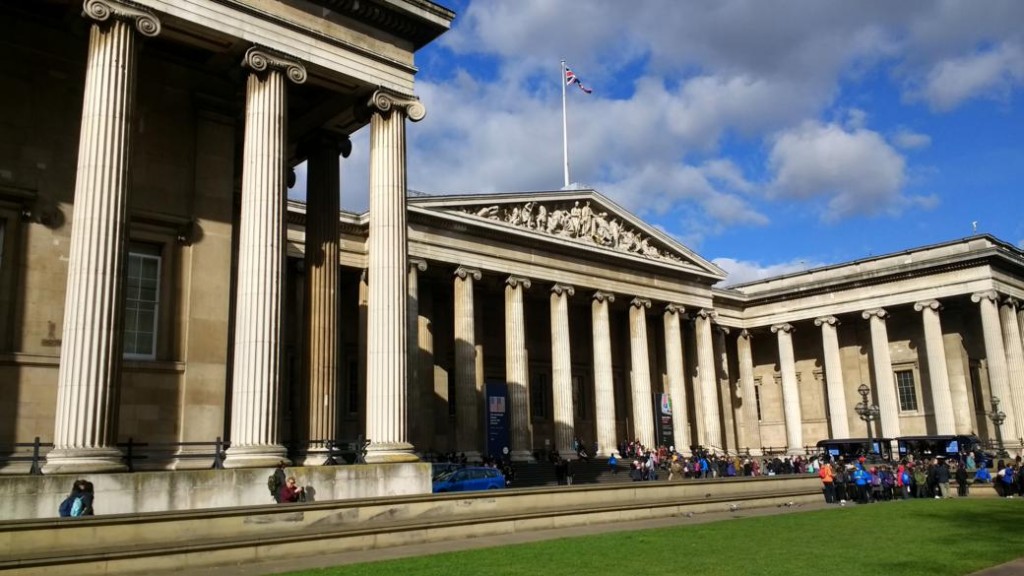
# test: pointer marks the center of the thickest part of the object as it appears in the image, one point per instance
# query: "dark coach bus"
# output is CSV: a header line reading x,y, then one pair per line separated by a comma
x,y
949,446
850,449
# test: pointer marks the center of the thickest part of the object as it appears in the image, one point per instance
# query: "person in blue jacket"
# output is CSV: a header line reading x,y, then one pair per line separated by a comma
x,y
861,479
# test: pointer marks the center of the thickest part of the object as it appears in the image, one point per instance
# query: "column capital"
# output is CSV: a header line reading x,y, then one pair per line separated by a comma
x,y
745,334
880,313
384,100
724,330
260,59
517,281
102,10
338,144
673,308
601,296
563,289
1011,302
985,295
640,302
930,304
463,273
784,327
830,320
706,314
417,263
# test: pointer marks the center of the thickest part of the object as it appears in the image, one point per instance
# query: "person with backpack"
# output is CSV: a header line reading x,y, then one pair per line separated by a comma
x,y
276,481
79,502
827,483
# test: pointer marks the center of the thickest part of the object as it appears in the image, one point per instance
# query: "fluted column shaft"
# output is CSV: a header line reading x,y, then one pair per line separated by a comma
x,y
711,431
729,414
561,370
643,407
387,317
838,418
1014,357
790,389
676,375
938,376
517,369
604,383
468,410
417,399
885,385
995,353
85,430
261,257
749,433
320,310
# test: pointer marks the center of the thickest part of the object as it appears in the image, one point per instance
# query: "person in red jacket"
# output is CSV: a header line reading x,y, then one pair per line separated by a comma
x,y
291,493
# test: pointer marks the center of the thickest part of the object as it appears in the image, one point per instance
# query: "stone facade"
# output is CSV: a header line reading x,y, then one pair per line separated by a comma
x,y
155,285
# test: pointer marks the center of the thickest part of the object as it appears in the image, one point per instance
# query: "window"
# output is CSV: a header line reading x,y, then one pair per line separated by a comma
x,y
539,392
907,390
757,400
579,394
142,301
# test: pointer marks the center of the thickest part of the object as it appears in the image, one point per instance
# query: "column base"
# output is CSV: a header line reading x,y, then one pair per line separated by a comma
x,y
315,457
390,453
522,456
76,460
266,456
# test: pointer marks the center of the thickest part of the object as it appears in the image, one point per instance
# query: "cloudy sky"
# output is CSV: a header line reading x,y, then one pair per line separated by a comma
x,y
768,136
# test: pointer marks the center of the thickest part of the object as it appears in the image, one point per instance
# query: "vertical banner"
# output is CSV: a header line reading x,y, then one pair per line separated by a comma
x,y
663,416
497,419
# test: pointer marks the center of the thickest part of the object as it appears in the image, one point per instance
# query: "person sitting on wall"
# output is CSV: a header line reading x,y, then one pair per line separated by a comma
x,y
290,492
79,502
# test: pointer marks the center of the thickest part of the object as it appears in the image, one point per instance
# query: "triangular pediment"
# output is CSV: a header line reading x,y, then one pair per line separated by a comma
x,y
583,217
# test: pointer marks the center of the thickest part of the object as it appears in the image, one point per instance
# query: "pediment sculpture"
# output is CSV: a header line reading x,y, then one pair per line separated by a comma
x,y
577,222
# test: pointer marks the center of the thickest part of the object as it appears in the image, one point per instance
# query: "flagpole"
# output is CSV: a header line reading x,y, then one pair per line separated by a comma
x,y
565,130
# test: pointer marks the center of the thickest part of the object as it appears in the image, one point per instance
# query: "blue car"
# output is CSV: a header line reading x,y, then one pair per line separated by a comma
x,y
469,478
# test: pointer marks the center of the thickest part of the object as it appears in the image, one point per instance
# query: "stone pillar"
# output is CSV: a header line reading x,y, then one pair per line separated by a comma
x,y
710,433
387,356
1014,361
749,433
257,371
957,368
517,369
561,370
427,412
995,353
604,383
89,380
838,418
790,389
676,375
885,385
468,406
942,398
725,387
418,408
320,312
643,408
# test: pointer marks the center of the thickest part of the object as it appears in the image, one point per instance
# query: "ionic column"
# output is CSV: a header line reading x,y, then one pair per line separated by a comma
x,y
725,386
517,369
838,418
711,432
1014,357
387,341
995,353
790,389
468,410
604,384
942,398
676,373
561,370
885,385
88,386
261,256
418,405
643,408
320,310
749,432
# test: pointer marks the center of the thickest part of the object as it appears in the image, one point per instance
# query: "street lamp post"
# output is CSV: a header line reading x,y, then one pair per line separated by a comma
x,y
997,417
867,413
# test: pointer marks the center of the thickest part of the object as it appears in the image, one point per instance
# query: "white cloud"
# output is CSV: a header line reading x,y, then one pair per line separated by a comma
x,y
743,271
990,73
855,170
910,140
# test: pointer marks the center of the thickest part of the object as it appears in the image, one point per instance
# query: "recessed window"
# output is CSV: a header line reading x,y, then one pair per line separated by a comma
x,y
540,391
757,400
907,390
142,301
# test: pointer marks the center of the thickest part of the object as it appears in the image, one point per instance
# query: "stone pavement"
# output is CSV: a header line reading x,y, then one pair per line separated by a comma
x,y
1013,568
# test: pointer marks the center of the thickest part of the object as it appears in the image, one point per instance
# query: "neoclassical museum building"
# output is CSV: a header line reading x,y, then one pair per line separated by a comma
x,y
157,285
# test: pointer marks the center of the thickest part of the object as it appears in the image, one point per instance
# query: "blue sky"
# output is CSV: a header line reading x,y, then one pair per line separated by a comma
x,y
767,136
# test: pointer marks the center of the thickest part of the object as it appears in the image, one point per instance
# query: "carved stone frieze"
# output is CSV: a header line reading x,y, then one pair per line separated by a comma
x,y
575,221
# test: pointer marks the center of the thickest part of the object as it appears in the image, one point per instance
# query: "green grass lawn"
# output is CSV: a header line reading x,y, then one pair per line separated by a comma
x,y
928,537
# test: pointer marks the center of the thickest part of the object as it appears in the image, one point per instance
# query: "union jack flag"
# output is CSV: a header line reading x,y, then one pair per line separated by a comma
x,y
571,78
